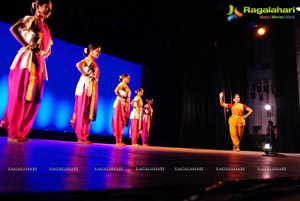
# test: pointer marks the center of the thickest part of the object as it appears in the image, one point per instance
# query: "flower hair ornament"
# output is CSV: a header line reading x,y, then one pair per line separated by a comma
x,y
33,5
85,50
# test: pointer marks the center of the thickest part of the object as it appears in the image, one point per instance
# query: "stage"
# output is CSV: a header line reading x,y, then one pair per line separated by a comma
x,y
109,172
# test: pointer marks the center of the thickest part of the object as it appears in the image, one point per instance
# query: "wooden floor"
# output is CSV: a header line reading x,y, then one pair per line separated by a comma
x,y
66,169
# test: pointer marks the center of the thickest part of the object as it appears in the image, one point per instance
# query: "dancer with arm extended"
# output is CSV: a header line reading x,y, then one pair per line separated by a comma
x,y
237,120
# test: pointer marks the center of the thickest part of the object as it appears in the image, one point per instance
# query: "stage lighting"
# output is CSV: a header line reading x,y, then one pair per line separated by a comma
x,y
261,31
268,107
267,148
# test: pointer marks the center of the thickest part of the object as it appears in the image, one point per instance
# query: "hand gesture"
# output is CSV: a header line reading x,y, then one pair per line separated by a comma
x,y
221,95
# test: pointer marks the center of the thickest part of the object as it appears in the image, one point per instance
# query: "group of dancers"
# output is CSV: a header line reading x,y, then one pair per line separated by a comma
x,y
26,85
139,118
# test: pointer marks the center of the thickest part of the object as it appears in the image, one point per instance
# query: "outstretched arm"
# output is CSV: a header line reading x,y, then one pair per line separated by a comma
x,y
221,96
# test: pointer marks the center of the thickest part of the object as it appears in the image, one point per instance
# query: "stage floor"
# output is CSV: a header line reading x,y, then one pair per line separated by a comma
x,y
42,166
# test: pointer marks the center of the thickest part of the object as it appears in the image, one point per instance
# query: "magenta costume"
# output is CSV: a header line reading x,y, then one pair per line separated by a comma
x,y
86,101
26,79
146,123
136,119
121,112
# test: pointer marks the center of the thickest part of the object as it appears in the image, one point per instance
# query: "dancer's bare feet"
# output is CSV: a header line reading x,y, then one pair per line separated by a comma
x,y
120,144
84,142
10,139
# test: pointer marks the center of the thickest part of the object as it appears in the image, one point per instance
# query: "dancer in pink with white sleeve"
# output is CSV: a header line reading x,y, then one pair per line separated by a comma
x,y
121,108
136,117
147,121
27,71
86,94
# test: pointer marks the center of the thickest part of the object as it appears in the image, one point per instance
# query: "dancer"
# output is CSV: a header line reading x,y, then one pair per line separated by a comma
x,y
136,117
86,93
147,121
237,119
27,71
121,108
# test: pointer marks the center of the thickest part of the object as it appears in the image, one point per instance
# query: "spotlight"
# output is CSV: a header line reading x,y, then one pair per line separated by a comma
x,y
268,107
267,148
261,31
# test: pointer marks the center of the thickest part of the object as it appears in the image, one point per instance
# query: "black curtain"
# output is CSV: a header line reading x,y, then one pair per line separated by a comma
x,y
164,84
186,84
219,64
214,57
286,81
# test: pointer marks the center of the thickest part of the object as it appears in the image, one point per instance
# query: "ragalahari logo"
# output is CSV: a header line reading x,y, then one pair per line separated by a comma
x,y
233,13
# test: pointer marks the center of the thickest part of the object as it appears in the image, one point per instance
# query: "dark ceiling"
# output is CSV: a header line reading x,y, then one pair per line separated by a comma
x,y
130,29
124,28
135,30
